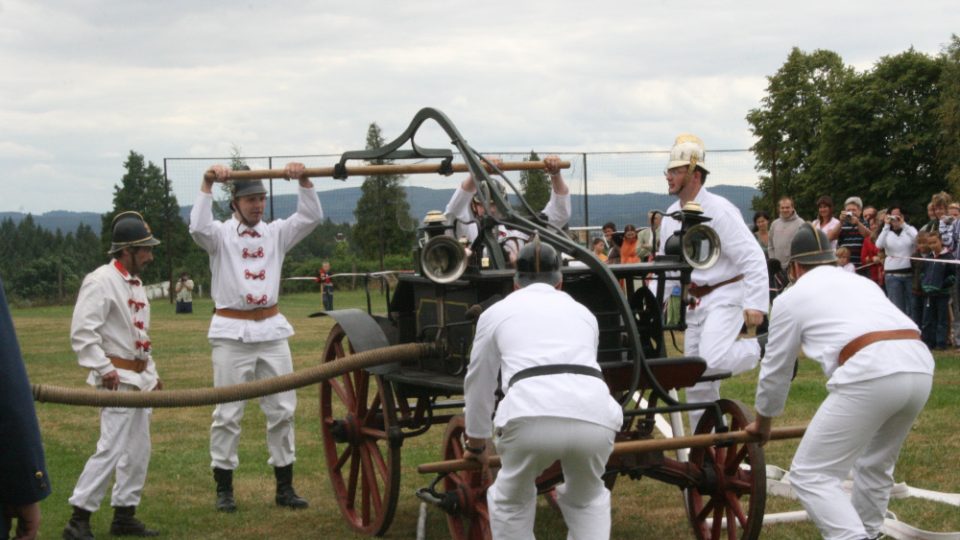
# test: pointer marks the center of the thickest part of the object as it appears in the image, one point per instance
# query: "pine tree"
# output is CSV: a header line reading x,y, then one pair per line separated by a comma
x,y
384,225
145,190
535,185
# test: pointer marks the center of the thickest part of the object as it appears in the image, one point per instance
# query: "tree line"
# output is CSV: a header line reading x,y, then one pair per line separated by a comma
x,y
889,133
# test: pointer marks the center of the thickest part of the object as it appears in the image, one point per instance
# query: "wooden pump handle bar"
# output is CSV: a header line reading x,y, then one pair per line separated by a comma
x,y
634,447
372,170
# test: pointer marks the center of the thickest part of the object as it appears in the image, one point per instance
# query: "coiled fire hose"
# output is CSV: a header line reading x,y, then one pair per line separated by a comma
x,y
197,397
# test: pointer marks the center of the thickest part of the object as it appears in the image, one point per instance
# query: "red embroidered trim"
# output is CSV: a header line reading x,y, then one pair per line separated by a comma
x,y
250,275
258,301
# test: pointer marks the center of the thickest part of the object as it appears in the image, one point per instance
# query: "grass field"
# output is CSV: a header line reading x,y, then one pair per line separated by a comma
x,y
179,494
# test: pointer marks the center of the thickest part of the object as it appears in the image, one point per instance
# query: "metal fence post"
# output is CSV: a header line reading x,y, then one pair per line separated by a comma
x,y
586,198
270,166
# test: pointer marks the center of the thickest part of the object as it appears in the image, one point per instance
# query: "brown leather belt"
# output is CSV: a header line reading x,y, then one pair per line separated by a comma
x,y
130,365
699,291
856,344
258,314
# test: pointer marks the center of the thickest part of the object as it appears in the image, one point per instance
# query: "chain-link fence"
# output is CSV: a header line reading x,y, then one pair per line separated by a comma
x,y
605,186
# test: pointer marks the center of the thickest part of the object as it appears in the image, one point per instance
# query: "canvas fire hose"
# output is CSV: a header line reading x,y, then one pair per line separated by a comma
x,y
197,397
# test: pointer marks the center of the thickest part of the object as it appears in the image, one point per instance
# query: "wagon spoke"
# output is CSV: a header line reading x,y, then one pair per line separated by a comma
x,y
741,482
370,477
717,520
362,383
354,475
364,494
731,525
458,478
343,391
372,411
734,459
381,465
719,456
343,457
733,503
707,508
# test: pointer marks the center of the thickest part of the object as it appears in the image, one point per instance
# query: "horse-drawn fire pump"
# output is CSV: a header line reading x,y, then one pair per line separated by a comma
x,y
367,414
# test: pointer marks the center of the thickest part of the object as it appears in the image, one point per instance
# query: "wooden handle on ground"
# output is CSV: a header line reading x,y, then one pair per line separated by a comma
x,y
635,447
372,170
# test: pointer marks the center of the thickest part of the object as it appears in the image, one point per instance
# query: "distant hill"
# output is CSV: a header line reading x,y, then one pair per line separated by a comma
x,y
338,205
67,222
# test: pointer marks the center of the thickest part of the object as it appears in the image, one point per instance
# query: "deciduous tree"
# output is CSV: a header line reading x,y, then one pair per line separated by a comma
x,y
788,124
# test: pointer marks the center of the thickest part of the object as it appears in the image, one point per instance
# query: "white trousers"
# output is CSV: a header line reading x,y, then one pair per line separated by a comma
x,y
529,445
235,362
123,452
860,426
711,334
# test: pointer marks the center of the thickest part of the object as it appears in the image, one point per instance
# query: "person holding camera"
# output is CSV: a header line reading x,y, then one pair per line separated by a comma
x,y
899,240
853,232
184,290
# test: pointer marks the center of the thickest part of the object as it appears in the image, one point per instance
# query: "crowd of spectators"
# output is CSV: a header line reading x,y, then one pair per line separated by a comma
x,y
913,263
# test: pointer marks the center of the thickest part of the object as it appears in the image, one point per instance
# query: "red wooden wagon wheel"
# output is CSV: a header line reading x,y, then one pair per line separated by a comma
x,y
729,494
357,413
471,521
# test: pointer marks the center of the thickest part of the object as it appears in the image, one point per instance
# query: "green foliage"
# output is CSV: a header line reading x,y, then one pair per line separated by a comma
x,y
948,114
322,242
535,186
788,124
880,134
891,133
384,225
40,266
144,189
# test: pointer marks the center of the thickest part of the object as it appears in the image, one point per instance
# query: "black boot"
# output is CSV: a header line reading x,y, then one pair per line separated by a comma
x,y
124,524
225,502
78,528
286,496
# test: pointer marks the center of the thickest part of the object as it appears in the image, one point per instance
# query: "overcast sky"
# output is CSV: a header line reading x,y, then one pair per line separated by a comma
x,y
85,81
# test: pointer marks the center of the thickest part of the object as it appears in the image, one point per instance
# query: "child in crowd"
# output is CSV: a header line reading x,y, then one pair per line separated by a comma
x,y
843,259
324,278
598,249
628,248
936,279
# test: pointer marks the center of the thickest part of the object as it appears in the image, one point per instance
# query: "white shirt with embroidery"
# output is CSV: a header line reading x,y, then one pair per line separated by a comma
x,y
245,264
112,318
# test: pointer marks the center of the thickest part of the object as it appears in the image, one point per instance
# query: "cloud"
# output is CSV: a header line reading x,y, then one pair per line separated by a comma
x,y
14,151
86,83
